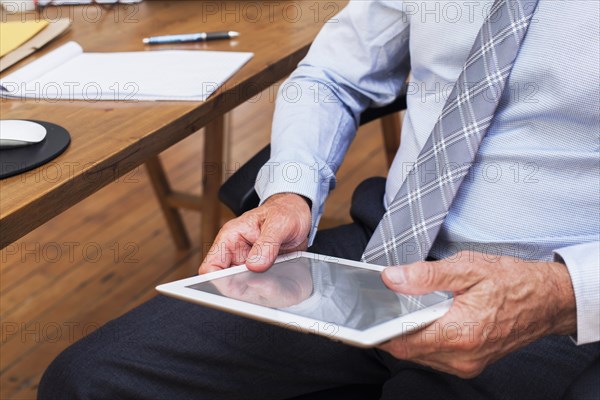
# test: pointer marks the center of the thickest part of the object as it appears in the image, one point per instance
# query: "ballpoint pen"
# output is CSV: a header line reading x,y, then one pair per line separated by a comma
x,y
192,37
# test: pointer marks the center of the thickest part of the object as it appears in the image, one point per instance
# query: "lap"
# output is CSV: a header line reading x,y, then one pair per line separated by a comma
x,y
170,349
542,370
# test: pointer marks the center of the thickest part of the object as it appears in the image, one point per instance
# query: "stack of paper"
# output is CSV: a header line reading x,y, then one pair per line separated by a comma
x,y
68,73
14,34
13,6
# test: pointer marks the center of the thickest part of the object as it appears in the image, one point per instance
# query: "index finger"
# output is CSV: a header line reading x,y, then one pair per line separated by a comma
x,y
216,259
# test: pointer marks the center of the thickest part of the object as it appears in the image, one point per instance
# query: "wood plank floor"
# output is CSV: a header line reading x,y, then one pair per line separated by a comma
x,y
104,256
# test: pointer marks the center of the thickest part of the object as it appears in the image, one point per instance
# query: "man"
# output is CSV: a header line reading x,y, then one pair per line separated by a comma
x,y
519,245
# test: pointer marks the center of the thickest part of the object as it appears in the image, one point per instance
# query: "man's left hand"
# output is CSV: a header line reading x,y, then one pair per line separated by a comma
x,y
500,304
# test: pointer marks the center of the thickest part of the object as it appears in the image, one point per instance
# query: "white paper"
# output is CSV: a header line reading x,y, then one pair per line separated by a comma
x,y
13,6
66,74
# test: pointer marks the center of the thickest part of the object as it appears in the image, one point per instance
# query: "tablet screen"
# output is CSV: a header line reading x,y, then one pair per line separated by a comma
x,y
340,294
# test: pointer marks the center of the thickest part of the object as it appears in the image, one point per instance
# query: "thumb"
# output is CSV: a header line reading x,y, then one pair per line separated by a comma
x,y
264,252
426,277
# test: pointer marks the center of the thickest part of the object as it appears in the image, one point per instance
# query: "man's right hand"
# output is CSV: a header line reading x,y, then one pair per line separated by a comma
x,y
281,225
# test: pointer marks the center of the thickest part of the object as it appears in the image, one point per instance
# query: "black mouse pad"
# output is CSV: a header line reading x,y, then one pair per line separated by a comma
x,y
14,161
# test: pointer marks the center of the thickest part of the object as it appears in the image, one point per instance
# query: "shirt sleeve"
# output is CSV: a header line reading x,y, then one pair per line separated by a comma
x,y
359,59
583,263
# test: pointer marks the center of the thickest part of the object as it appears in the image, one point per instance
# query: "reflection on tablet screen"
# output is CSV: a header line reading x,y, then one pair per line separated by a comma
x,y
352,297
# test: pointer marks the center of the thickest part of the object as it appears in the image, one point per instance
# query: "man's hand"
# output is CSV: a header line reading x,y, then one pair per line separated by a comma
x,y
500,305
279,226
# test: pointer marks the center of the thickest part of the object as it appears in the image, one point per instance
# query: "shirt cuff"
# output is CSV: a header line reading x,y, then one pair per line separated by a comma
x,y
583,263
292,177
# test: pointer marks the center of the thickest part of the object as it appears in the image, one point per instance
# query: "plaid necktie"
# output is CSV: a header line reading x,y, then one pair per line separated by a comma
x,y
413,219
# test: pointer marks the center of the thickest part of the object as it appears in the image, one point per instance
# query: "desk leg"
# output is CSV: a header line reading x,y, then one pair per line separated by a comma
x,y
212,178
215,137
161,186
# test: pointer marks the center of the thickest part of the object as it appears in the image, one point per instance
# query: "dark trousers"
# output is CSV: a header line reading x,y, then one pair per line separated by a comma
x,y
170,349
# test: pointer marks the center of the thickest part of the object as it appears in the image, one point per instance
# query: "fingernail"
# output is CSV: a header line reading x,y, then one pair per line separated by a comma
x,y
395,275
256,259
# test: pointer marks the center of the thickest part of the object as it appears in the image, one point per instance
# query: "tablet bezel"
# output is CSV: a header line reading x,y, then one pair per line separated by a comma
x,y
362,338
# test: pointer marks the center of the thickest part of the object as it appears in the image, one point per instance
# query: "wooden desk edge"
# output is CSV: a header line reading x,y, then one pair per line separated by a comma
x,y
20,222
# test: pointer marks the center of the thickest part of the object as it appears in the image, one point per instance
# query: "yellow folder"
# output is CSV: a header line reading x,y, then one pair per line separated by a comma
x,y
14,33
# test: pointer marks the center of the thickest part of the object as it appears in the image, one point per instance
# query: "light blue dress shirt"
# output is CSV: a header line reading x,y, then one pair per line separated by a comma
x,y
534,191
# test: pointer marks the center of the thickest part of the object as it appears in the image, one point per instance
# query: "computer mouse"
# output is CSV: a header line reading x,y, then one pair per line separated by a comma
x,y
17,133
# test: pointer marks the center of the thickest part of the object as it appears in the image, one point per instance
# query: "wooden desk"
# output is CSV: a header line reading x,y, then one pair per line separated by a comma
x,y
110,139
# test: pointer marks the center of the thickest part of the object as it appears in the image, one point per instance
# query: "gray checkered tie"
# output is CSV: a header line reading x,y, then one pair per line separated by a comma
x,y
413,219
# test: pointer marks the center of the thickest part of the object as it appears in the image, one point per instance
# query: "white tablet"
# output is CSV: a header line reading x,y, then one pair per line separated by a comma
x,y
340,299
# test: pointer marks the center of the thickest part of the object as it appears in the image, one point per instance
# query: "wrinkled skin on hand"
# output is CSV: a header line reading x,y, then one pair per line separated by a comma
x,y
280,225
500,305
